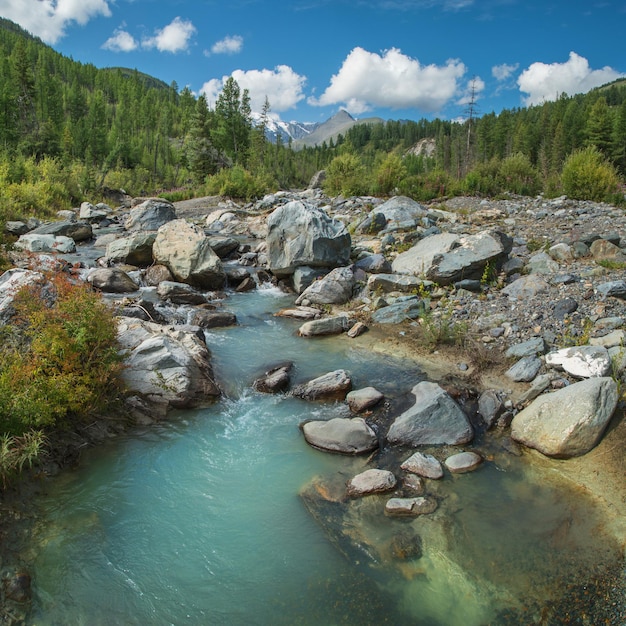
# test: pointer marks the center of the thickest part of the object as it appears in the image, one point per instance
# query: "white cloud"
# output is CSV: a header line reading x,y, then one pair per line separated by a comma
x,y
48,19
172,38
472,91
120,41
282,87
504,71
544,81
392,80
228,45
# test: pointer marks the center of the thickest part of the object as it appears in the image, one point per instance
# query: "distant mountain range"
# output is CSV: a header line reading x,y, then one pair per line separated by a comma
x,y
311,134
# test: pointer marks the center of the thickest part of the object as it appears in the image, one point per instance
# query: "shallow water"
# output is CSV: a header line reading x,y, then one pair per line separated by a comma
x,y
200,521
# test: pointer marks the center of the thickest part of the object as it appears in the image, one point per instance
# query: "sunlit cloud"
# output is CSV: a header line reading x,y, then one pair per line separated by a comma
x,y
228,45
173,38
120,41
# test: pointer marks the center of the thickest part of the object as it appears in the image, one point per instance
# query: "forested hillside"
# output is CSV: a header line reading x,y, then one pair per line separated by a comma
x,y
69,130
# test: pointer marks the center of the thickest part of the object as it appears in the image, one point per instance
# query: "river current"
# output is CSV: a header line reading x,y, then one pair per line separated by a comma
x,y
199,520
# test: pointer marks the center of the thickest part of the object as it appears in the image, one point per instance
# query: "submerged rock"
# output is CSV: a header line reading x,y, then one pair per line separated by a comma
x,y
371,481
425,465
413,507
463,462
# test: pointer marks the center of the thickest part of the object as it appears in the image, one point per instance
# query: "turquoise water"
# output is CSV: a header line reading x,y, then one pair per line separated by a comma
x,y
199,520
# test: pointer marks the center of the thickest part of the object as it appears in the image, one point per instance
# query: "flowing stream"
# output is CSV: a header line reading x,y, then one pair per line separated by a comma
x,y
199,520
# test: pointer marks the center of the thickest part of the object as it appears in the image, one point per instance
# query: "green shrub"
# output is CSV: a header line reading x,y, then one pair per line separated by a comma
x,y
587,175
483,179
517,175
425,187
19,452
59,359
236,182
345,175
389,174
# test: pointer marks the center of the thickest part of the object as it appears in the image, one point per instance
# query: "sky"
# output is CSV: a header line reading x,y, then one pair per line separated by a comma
x,y
394,59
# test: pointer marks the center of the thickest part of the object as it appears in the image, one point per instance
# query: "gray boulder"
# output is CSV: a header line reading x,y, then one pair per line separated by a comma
x,y
213,319
133,250
274,380
334,288
396,282
526,287
463,462
425,465
332,386
524,370
434,419
303,234
179,293
360,400
78,231
151,214
112,280
409,308
166,364
471,257
568,422
419,259
348,436
326,326
581,361
400,211
410,507
371,481
36,242
185,250
374,264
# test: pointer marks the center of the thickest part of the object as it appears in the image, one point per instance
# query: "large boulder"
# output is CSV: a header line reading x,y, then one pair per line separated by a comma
x,y
136,249
334,288
568,422
186,251
397,212
470,259
419,259
332,386
347,436
303,234
434,419
112,280
36,242
166,364
78,231
151,214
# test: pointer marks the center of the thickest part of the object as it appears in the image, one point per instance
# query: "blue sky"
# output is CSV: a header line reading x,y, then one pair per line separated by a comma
x,y
397,59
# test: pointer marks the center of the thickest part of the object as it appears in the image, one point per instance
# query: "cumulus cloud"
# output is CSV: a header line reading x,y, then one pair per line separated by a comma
x,y
48,19
504,71
543,81
228,45
172,38
392,80
472,91
282,86
120,41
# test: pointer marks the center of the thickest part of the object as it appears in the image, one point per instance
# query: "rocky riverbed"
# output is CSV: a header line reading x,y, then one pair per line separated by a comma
x,y
514,308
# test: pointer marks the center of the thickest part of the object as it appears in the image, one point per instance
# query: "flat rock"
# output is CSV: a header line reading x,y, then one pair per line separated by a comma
x,y
581,361
347,436
463,462
325,326
334,385
434,419
404,507
425,465
299,313
419,259
524,370
371,481
568,422
526,287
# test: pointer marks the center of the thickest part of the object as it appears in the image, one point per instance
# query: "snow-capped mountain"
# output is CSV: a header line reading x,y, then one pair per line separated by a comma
x,y
275,128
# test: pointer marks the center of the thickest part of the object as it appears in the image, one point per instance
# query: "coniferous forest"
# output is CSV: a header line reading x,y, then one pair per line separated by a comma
x,y
69,131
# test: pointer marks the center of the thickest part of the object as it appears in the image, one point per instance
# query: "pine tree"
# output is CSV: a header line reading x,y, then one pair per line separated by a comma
x,y
599,127
618,145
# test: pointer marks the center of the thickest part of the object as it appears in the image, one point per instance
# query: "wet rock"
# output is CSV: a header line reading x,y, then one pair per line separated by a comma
x,y
334,385
335,288
134,250
357,330
325,326
406,545
490,407
403,507
413,484
360,400
150,214
300,233
524,370
463,462
112,280
179,293
274,380
247,284
156,274
434,419
371,481
17,586
185,250
568,422
347,436
213,319
223,246
581,361
425,465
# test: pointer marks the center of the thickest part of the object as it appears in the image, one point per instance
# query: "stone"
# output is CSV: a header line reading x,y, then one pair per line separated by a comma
x,y
603,250
610,340
179,293
470,258
410,507
299,313
524,370
150,214
347,436
274,380
166,364
434,419
371,481
542,263
325,326
357,330
463,462
413,483
490,407
581,361
564,307
332,386
304,276
531,347
156,274
424,465
374,264
112,280
400,211
185,250
35,242
213,319
78,231
613,289
526,287
134,250
361,400
91,213
561,252
15,228
223,246
399,311
568,422
419,259
334,288
404,283
300,233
